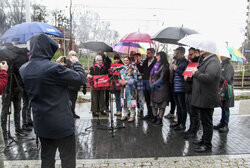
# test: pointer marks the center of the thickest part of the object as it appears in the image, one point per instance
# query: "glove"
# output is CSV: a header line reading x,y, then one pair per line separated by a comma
x,y
84,90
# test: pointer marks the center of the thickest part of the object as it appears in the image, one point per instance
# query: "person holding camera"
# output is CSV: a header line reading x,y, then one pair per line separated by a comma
x,y
46,84
3,84
73,90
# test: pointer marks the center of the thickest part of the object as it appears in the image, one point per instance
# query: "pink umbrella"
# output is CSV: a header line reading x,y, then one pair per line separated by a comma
x,y
137,37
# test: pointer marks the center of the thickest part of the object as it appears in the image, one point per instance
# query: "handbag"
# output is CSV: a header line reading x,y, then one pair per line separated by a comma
x,y
225,91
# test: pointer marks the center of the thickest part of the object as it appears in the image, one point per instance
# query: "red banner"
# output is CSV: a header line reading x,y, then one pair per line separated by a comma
x,y
101,81
189,70
113,70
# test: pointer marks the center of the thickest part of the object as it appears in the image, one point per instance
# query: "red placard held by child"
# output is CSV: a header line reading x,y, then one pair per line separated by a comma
x,y
189,70
113,70
101,81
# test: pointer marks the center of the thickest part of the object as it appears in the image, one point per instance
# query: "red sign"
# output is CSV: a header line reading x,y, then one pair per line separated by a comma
x,y
113,70
189,70
101,81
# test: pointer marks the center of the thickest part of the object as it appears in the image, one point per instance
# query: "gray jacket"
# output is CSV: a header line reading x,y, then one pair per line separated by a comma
x,y
205,93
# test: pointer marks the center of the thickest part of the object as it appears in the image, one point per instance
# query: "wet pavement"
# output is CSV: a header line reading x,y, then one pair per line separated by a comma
x,y
139,139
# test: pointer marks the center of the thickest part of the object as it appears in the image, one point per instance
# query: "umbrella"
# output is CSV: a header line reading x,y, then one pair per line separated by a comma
x,y
127,47
21,33
172,34
236,55
137,37
202,42
97,45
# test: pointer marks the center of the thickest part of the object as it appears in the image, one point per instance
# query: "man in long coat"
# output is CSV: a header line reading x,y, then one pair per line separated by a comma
x,y
205,96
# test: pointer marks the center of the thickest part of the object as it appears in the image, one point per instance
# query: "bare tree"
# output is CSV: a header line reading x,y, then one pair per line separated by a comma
x,y
39,13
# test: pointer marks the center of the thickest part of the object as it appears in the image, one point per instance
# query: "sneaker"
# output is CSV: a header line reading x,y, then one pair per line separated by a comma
x,y
131,119
76,116
169,116
20,132
118,113
26,127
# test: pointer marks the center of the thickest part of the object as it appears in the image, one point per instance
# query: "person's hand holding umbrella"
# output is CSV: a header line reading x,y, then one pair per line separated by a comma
x,y
4,65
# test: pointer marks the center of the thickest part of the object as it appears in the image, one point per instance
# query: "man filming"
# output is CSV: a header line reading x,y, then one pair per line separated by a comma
x,y
46,84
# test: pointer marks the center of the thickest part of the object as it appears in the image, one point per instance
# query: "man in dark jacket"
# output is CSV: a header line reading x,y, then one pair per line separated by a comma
x,y
227,74
148,64
46,84
179,88
205,96
194,57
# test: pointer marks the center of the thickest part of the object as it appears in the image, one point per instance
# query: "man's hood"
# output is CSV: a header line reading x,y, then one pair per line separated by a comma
x,y
42,46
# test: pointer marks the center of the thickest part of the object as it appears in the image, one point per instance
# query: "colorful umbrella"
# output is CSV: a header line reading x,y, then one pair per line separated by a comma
x,y
127,47
137,37
236,55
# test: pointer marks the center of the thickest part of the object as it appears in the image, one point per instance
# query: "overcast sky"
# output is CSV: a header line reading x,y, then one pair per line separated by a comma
x,y
223,19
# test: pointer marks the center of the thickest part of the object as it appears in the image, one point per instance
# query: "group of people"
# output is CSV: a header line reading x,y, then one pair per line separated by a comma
x,y
158,83
154,80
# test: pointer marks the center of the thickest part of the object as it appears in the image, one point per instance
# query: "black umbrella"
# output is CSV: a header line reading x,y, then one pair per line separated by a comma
x,y
97,45
172,35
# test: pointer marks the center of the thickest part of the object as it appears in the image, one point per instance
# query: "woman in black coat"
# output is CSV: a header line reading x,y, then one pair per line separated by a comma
x,y
160,87
227,74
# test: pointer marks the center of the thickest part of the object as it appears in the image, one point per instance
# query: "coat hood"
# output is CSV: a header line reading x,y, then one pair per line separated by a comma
x,y
42,46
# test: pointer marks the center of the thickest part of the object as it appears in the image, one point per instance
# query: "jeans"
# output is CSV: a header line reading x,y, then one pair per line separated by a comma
x,y
66,147
118,101
225,113
179,98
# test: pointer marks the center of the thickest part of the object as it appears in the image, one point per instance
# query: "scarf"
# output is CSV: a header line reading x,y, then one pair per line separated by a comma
x,y
155,68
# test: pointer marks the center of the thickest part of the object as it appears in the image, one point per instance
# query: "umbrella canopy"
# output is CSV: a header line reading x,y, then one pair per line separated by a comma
x,y
236,55
201,42
172,35
21,33
127,47
97,45
137,37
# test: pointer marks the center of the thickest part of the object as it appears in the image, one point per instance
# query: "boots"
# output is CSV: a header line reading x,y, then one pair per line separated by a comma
x,y
159,121
220,125
224,129
154,119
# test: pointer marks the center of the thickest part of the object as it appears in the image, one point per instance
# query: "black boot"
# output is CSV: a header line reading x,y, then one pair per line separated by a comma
x,y
220,125
224,129
159,121
154,119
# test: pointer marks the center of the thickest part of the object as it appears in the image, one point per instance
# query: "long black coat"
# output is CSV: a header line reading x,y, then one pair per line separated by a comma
x,y
227,73
46,84
205,93
161,87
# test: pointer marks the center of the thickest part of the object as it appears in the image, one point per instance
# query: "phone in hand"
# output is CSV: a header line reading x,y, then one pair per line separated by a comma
x,y
64,60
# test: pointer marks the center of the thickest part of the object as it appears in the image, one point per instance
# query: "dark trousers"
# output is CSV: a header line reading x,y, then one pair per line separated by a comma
x,y
172,103
98,101
26,112
206,116
107,99
179,98
15,97
66,147
73,97
147,95
194,119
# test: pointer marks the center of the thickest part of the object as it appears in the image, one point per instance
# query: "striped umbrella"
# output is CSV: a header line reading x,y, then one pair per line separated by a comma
x,y
127,47
236,55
